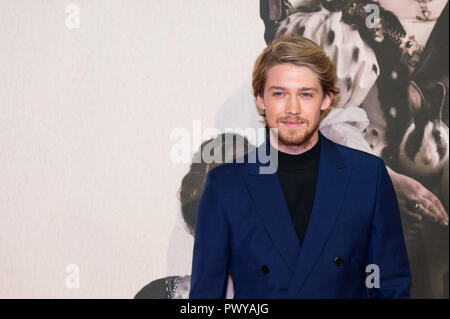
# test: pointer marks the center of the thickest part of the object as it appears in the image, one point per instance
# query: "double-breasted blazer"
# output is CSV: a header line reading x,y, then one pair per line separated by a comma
x,y
244,226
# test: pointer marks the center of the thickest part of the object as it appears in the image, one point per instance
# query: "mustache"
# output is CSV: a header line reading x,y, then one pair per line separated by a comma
x,y
292,119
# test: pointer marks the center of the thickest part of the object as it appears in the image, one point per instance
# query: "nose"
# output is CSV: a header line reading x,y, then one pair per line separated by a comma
x,y
426,158
293,106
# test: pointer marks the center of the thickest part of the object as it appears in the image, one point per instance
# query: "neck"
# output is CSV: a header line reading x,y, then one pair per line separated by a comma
x,y
295,149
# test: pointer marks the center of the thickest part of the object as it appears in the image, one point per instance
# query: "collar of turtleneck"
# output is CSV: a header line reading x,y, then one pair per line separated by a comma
x,y
298,161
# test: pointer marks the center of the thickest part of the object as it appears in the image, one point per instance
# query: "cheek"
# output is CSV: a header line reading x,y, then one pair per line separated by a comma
x,y
274,109
312,109
272,114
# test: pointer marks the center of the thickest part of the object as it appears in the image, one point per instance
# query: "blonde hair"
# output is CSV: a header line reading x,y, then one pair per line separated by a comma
x,y
300,51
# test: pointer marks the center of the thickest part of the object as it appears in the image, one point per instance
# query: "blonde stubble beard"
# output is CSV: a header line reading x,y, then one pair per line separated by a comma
x,y
291,137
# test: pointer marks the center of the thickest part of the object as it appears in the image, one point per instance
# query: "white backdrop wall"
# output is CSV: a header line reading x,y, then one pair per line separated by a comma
x,y
85,120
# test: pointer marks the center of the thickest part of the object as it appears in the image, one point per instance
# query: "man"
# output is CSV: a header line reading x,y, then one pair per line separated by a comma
x,y
313,228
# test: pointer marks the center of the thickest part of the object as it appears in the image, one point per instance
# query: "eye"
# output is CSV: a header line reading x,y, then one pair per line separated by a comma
x,y
306,94
277,93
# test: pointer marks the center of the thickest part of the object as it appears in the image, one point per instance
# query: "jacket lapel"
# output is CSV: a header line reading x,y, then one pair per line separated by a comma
x,y
268,198
270,204
330,191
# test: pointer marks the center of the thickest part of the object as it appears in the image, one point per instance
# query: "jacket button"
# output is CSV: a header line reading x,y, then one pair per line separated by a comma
x,y
338,261
265,269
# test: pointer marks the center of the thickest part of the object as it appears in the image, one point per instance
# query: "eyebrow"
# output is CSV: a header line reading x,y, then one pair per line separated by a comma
x,y
303,89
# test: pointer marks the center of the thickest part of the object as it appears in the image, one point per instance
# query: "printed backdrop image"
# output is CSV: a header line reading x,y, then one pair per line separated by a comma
x,y
106,107
394,104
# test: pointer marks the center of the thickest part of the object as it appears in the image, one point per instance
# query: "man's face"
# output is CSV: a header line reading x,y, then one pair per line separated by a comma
x,y
293,99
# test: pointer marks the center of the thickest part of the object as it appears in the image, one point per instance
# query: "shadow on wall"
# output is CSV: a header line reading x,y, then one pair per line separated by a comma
x,y
239,111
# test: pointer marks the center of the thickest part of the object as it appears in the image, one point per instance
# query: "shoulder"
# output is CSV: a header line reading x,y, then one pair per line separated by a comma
x,y
229,170
357,158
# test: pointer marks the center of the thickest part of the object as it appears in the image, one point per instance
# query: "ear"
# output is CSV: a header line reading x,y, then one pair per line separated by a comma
x,y
415,97
260,102
326,102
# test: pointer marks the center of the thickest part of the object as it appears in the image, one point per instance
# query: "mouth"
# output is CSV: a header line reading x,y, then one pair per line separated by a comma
x,y
292,123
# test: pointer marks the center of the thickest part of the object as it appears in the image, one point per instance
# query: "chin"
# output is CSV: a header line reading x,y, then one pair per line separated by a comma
x,y
289,138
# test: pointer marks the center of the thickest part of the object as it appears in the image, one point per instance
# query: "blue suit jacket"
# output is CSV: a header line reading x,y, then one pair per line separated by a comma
x,y
243,225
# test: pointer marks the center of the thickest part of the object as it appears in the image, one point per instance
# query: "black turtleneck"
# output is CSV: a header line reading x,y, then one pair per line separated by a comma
x,y
298,176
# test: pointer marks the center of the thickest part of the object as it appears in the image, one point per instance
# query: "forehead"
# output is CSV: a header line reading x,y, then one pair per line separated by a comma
x,y
292,76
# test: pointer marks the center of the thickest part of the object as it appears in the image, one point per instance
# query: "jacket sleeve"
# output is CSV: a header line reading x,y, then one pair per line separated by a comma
x,y
211,253
387,247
